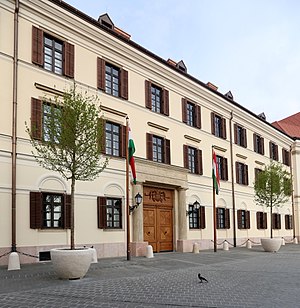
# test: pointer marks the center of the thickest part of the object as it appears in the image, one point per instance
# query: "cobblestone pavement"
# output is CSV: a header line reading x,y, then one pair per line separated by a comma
x,y
239,277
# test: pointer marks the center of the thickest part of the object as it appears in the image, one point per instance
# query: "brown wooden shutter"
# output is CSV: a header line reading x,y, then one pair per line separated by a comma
x,y
36,118
67,212
149,141
185,156
270,148
254,143
68,60
246,180
165,102
262,146
124,84
199,162
273,221
235,131
258,220
247,219
167,151
184,110
37,52
279,221
265,221
102,137
148,102
202,224
286,221
239,218
101,212
213,129
224,136
276,152
100,74
217,217
237,174
123,145
198,116
227,219
245,137
35,210
225,169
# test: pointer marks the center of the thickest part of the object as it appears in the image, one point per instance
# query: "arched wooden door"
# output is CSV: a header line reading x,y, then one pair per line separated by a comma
x,y
158,218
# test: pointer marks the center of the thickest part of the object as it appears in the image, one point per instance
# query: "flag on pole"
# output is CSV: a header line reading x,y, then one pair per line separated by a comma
x,y
215,173
131,150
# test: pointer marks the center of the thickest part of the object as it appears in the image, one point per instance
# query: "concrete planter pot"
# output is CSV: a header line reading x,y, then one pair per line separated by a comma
x,y
71,264
271,244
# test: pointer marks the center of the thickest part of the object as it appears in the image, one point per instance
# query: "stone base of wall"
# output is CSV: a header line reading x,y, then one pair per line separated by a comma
x,y
138,249
31,254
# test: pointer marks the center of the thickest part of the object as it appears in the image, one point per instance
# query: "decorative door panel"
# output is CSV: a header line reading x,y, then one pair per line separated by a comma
x,y
165,229
158,218
150,226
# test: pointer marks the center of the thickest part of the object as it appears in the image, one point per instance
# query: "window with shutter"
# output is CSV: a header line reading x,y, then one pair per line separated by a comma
x,y
109,213
258,144
218,126
223,218
241,173
158,149
273,149
222,167
114,139
156,98
49,210
52,54
111,79
240,137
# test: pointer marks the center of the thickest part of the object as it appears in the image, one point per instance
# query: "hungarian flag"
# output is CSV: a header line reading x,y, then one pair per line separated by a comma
x,y
131,150
215,173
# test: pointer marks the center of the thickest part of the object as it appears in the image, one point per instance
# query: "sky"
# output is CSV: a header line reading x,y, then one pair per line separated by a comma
x,y
250,47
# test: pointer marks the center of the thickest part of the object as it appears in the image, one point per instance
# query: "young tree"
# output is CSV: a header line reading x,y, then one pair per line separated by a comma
x,y
71,142
273,186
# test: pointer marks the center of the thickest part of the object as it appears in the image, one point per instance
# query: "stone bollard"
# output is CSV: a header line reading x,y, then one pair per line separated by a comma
x,y
149,251
295,241
225,246
249,244
283,242
13,262
94,257
195,248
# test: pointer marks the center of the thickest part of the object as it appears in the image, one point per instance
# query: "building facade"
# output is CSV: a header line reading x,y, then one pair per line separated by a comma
x,y
175,119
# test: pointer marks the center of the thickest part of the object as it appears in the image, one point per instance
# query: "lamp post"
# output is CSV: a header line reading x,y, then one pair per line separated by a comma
x,y
196,206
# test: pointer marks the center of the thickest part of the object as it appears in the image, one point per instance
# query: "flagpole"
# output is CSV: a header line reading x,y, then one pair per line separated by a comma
x,y
127,193
214,209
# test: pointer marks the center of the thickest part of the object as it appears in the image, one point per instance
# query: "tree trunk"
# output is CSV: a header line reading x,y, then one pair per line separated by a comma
x,y
72,213
271,220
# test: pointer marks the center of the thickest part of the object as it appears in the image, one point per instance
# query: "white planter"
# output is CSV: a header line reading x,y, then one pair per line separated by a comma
x,y
71,264
271,244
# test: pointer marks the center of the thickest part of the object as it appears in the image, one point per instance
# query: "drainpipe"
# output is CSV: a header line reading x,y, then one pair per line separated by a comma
x,y
293,207
14,127
232,180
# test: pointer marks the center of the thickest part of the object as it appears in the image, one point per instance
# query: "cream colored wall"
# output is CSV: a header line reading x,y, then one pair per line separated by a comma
x,y
90,44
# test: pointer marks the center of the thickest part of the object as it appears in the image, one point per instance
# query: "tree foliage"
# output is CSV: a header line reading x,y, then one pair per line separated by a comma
x,y
71,142
72,136
273,185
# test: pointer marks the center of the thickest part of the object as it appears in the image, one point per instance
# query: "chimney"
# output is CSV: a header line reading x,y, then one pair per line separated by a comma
x,y
212,86
172,62
122,33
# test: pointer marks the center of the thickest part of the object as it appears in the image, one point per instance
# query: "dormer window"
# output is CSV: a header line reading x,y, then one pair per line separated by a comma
x,y
105,21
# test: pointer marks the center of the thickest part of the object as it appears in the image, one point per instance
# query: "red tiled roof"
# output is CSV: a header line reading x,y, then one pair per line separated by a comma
x,y
289,125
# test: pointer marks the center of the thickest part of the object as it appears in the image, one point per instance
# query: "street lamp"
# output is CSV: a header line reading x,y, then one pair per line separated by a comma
x,y
196,206
138,200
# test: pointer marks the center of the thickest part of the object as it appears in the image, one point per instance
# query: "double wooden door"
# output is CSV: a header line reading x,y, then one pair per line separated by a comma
x,y
158,219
